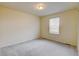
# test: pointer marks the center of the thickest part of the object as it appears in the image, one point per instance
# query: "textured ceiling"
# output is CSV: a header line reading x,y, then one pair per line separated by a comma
x,y
51,7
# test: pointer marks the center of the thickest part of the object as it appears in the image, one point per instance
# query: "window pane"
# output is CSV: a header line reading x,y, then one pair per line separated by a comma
x,y
54,25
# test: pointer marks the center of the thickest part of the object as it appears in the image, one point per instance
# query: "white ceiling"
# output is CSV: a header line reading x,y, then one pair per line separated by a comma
x,y
51,7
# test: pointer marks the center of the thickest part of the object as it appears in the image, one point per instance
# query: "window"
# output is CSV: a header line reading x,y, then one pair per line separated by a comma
x,y
54,25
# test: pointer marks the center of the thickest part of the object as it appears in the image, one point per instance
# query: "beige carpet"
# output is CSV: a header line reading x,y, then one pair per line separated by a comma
x,y
39,47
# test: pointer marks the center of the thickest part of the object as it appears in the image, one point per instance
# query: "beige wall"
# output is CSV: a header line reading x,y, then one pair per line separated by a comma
x,y
68,27
16,27
78,33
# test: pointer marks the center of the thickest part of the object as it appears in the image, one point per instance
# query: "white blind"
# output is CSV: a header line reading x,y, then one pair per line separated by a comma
x,y
54,25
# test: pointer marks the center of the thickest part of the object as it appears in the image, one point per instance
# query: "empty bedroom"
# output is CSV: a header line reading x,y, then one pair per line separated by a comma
x,y
39,28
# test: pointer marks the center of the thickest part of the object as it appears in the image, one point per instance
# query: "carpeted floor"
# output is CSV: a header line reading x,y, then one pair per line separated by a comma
x,y
39,47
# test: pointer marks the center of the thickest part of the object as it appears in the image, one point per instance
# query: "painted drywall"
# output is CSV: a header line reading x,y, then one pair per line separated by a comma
x,y
17,27
68,27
